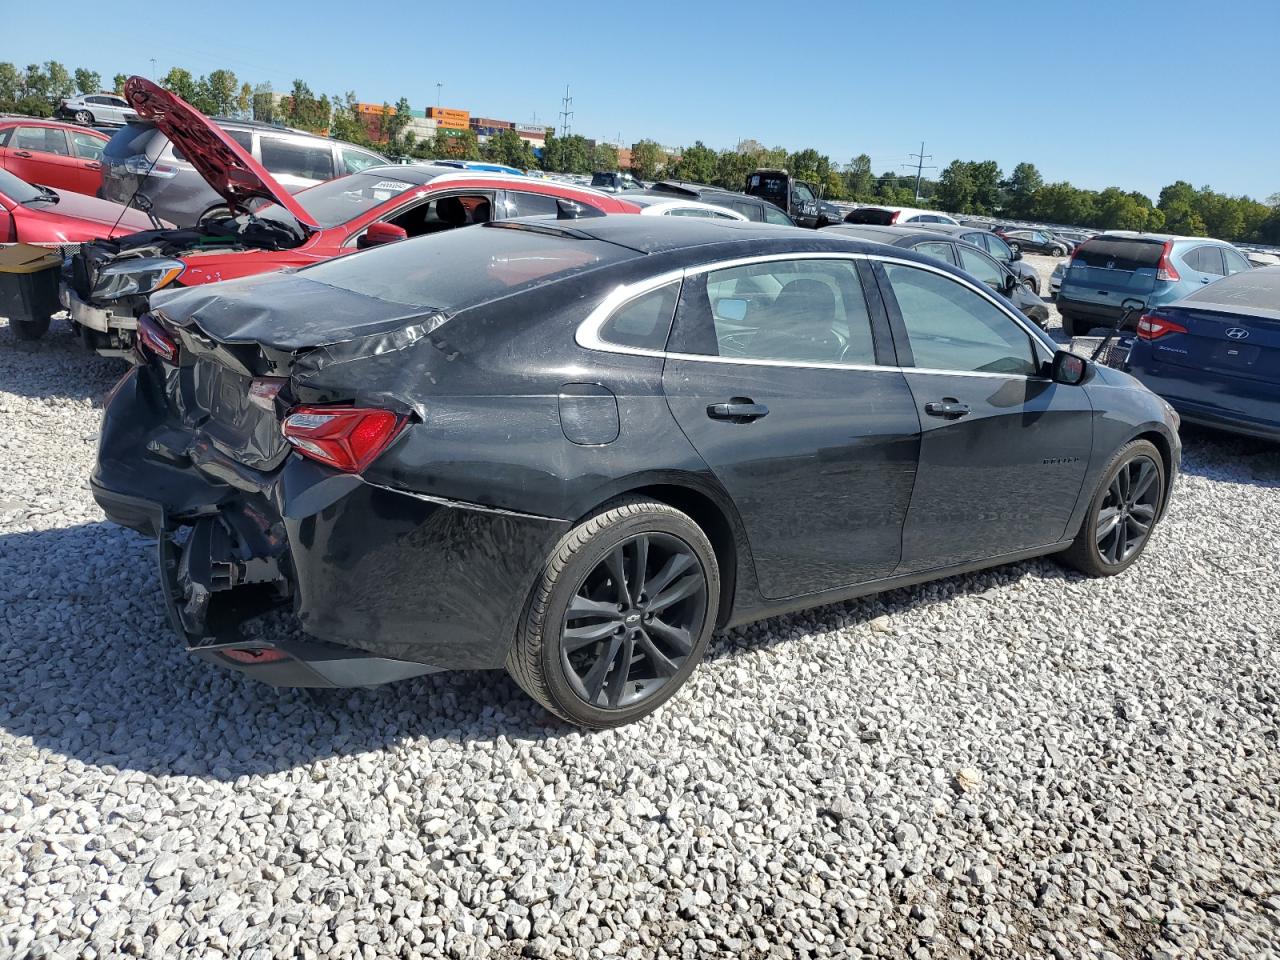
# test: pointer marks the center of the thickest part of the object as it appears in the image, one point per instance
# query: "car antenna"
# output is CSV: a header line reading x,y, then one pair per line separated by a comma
x,y
155,221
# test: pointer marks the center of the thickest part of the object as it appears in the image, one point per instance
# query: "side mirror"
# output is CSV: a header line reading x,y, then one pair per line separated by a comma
x,y
1011,282
380,233
1069,368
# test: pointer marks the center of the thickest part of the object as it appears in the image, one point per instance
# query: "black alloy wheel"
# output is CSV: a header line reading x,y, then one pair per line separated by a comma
x,y
621,615
1128,511
630,626
1123,512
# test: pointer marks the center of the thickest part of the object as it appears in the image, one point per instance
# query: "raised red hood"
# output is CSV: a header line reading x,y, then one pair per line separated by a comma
x,y
226,165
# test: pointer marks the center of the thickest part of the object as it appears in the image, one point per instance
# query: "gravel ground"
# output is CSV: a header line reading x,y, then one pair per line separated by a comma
x,y
1019,763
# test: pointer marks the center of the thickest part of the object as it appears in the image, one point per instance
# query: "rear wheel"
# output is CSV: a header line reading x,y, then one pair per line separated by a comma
x,y
1058,252
1014,246
84,117
29,329
1122,514
620,616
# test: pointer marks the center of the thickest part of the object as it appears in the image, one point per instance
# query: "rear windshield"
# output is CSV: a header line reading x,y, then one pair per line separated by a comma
x,y
133,139
338,201
771,185
870,215
464,267
1120,253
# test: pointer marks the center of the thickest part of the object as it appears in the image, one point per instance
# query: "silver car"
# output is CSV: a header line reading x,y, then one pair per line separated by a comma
x,y
140,160
97,109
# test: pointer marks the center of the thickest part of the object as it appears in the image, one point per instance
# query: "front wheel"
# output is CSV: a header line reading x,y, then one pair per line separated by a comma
x,y
84,117
620,616
1032,285
1122,514
1058,252
1014,246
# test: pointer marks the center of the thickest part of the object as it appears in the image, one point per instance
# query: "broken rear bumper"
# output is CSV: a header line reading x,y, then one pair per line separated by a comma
x,y
386,583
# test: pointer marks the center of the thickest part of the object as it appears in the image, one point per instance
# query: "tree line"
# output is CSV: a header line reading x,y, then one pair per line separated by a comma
x,y
964,186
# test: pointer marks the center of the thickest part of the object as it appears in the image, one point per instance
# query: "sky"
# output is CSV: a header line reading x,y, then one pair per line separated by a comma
x,y
1128,94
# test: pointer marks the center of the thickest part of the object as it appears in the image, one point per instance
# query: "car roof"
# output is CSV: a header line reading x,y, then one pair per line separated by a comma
x,y
893,235
1160,237
654,235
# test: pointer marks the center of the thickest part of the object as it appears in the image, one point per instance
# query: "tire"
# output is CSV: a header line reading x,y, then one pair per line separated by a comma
x,y
1068,324
1135,477
1057,252
568,678
1014,245
84,117
29,329
1034,285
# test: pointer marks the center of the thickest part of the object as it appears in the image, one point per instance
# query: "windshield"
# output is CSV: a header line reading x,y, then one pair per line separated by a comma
x,y
19,191
338,201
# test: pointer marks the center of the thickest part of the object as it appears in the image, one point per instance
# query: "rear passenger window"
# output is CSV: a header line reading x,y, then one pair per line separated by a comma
x,y
645,321
531,204
801,311
1205,259
773,215
87,147
939,251
297,159
353,161
984,268
950,327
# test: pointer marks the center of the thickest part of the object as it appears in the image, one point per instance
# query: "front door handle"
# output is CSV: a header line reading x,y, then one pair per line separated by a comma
x,y
737,410
948,407
22,153
93,165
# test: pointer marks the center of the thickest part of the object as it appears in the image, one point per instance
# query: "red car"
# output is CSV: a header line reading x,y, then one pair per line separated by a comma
x,y
110,282
39,214
52,154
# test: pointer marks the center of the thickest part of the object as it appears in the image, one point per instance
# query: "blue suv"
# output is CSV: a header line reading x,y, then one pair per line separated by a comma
x,y
1115,271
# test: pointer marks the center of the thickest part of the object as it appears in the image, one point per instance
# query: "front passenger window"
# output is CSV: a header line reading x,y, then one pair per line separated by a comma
x,y
951,327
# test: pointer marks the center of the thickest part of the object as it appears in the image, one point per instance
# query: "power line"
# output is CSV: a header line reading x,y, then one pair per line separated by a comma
x,y
565,113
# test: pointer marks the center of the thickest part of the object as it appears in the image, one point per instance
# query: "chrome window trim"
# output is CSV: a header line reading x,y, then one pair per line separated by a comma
x,y
588,337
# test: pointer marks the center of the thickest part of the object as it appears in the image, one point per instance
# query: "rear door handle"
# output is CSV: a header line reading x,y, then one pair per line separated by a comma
x,y
737,410
93,165
949,408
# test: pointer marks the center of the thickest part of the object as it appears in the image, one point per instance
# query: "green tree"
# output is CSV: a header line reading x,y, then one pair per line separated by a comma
x,y
35,83
646,159
244,100
10,85
218,93
1020,190
957,188
118,82
859,181
262,104
507,146
346,122
1063,203
605,157
181,82
61,84
571,154
87,81
698,163
809,165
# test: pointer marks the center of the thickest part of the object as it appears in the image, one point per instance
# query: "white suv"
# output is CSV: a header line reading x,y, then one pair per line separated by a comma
x,y
97,108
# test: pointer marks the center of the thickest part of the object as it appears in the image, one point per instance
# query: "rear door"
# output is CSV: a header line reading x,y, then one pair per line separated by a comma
x,y
1003,449
87,151
773,373
1110,271
1205,263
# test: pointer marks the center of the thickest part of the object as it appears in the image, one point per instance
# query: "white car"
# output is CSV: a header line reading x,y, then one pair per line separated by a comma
x,y
97,108
676,207
896,216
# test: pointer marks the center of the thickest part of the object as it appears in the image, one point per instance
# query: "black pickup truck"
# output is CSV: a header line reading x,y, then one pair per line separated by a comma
x,y
796,197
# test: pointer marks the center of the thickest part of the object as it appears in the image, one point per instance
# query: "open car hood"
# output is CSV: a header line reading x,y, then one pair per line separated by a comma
x,y
224,164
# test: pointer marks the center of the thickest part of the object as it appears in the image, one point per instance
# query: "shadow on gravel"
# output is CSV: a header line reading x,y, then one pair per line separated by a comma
x,y
57,365
90,670
1229,457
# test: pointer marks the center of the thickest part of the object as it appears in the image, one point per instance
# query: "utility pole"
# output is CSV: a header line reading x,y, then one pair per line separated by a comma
x,y
439,87
921,157
566,114
153,68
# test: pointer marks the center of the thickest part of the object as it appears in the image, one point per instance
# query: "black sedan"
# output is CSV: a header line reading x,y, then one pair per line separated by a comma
x,y
978,263
992,243
574,449
1035,241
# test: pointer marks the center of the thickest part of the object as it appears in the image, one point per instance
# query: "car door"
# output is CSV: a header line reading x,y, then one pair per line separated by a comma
x,y
774,374
1003,449
40,154
1206,261
87,152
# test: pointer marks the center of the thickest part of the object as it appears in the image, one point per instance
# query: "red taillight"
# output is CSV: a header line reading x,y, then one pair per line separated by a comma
x,y
1153,328
894,219
346,438
258,655
1165,270
156,339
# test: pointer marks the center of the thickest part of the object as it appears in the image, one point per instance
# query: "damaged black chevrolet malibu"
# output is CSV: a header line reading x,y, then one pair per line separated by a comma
x,y
574,450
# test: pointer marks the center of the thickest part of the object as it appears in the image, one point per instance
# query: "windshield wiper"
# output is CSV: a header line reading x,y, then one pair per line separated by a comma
x,y
46,195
